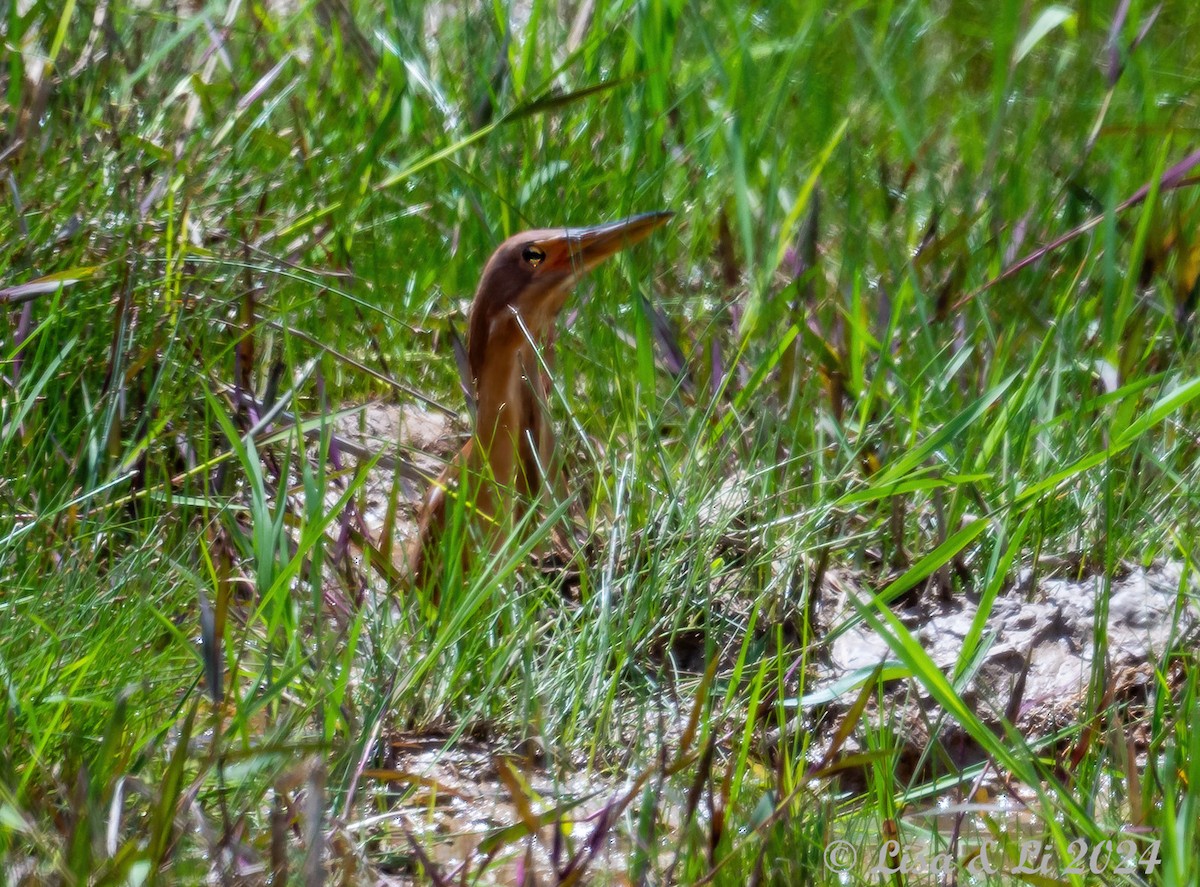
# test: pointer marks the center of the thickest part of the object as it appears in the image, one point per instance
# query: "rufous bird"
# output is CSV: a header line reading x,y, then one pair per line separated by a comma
x,y
509,459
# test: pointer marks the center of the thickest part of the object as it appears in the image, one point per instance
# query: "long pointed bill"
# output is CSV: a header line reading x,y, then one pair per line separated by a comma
x,y
588,247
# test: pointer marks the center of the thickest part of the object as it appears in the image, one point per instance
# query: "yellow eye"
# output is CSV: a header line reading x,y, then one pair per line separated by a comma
x,y
533,256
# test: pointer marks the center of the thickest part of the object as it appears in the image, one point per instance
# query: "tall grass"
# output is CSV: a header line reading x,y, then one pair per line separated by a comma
x,y
223,222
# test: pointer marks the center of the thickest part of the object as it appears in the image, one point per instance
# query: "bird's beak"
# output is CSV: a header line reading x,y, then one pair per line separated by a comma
x,y
578,250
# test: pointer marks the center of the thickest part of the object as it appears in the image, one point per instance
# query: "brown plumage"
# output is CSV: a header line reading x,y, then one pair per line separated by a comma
x,y
510,458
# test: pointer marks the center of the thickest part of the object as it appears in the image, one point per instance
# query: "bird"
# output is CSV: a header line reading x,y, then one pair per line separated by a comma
x,y
509,459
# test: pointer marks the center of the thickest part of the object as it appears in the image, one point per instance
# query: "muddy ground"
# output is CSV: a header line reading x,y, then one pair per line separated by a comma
x,y
1038,642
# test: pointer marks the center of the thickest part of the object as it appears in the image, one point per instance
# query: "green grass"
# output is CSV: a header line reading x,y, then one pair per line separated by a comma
x,y
199,197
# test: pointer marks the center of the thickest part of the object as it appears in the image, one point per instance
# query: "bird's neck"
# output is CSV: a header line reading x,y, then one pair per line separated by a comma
x,y
511,428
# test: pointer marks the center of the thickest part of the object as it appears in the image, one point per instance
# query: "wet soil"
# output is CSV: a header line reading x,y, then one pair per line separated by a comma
x,y
1039,646
1037,664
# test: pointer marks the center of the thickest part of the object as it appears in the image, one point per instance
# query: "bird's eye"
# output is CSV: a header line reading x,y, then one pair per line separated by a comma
x,y
533,256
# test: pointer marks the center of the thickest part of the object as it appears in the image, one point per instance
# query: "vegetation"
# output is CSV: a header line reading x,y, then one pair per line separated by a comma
x,y
224,224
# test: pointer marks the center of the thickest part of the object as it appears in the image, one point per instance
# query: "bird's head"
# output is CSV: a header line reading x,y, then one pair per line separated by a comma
x,y
531,273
